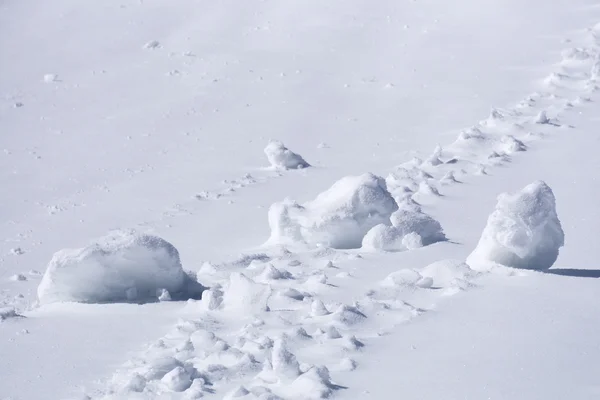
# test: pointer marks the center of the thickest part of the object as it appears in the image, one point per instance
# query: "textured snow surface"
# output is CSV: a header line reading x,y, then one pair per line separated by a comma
x,y
122,266
154,116
523,232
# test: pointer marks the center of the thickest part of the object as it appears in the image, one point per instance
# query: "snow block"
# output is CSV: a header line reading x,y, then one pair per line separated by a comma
x,y
281,157
122,266
523,232
338,218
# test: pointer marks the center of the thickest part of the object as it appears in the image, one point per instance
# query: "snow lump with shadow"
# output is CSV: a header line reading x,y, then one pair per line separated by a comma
x,y
123,266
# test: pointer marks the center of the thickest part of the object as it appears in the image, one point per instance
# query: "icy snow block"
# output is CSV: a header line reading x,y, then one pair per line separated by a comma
x,y
120,267
281,157
338,218
523,232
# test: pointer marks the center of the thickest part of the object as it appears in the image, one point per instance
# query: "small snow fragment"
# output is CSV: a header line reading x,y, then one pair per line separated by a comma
x,y
49,78
17,251
163,295
542,118
523,232
283,361
135,383
347,364
177,380
434,158
7,313
448,179
281,157
151,45
272,273
318,309
332,333
425,188
511,145
18,278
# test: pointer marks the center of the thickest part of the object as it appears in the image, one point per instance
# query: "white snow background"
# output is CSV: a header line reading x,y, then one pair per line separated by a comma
x,y
330,171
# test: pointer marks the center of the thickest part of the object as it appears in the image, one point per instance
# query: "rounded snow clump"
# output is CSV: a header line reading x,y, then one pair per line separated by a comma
x,y
411,228
123,266
281,157
523,232
338,218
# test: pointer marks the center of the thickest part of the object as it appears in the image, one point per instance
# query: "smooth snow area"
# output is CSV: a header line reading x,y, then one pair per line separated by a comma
x,y
413,117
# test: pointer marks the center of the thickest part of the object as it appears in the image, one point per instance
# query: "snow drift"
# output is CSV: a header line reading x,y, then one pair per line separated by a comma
x,y
523,232
338,218
122,266
281,157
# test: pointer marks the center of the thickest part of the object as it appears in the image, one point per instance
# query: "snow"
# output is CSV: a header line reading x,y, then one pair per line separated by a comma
x,y
523,232
122,266
154,117
281,157
338,218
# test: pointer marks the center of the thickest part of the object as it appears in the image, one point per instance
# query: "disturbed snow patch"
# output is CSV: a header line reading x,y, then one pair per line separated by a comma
x,y
523,232
339,217
281,157
122,266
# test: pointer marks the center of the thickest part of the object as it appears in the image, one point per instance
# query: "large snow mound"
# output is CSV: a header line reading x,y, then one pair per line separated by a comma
x,y
411,228
523,232
338,218
122,266
281,157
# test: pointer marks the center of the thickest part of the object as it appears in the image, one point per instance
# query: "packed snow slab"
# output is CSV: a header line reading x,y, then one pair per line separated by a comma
x,y
122,266
523,232
281,157
338,218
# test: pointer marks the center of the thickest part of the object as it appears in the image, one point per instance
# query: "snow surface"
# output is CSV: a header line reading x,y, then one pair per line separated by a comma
x,y
122,266
523,232
154,116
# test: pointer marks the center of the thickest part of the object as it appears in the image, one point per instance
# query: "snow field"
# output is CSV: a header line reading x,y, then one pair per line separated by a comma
x,y
289,337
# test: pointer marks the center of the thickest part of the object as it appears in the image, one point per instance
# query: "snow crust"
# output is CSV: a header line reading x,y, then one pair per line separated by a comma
x,y
122,266
281,157
338,218
523,232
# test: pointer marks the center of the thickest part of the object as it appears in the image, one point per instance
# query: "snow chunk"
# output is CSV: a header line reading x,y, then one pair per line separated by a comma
x,y
122,266
523,232
411,228
281,157
338,218
283,361
245,295
178,379
7,313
